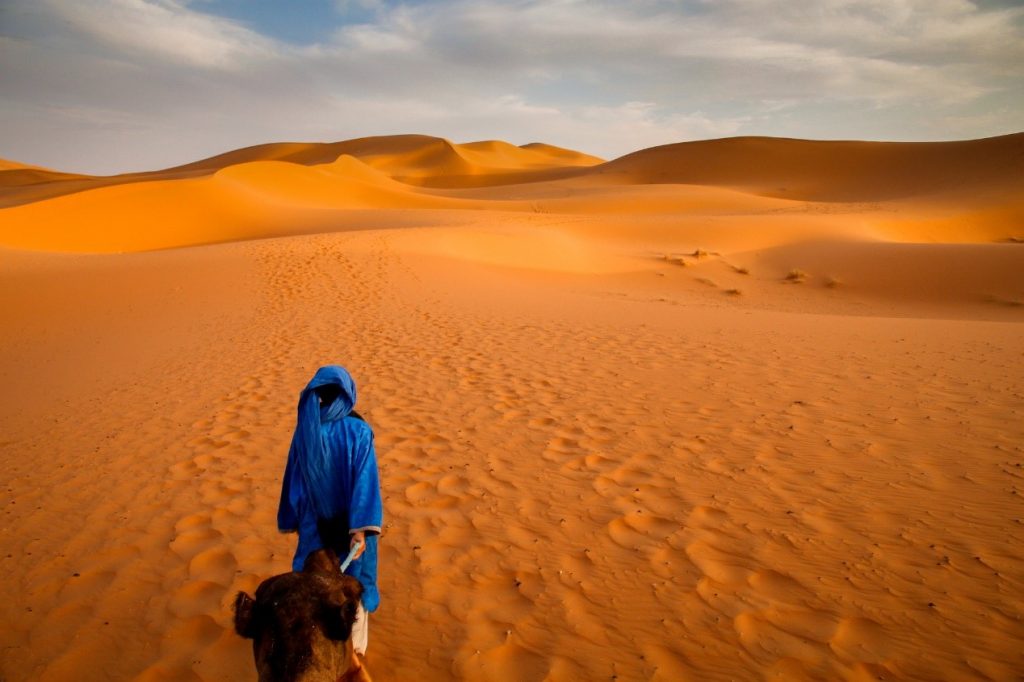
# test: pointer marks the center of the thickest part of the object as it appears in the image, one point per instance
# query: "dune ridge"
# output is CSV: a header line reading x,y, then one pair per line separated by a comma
x,y
418,159
832,170
738,197
925,186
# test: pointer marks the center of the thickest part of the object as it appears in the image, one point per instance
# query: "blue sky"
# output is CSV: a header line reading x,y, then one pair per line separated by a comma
x,y
300,23
108,86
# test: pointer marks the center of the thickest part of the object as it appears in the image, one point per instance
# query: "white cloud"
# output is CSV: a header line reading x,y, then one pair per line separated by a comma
x,y
158,82
164,29
373,39
638,125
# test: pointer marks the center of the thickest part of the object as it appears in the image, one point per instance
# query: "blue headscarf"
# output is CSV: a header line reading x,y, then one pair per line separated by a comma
x,y
307,453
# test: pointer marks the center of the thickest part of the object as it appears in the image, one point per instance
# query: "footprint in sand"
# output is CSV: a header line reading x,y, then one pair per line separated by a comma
x,y
650,525
778,587
426,495
184,471
453,484
216,491
560,447
187,527
594,462
187,636
862,640
706,517
204,442
631,475
215,564
721,566
673,563
191,541
669,664
625,536
509,411
765,635
195,598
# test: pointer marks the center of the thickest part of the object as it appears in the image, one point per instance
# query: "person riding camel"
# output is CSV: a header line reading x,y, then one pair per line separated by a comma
x,y
331,493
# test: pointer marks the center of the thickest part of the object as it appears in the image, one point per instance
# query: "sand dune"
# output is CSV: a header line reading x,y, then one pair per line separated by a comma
x,y
415,159
737,409
418,154
833,171
930,192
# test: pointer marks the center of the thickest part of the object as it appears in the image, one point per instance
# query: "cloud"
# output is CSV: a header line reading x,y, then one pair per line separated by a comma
x,y
633,125
163,29
111,85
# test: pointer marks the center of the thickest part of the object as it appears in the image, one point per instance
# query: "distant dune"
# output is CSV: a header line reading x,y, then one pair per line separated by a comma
x,y
415,159
833,171
949,191
759,199
418,154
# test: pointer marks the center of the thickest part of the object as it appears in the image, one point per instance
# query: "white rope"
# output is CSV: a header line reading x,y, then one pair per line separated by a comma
x,y
351,556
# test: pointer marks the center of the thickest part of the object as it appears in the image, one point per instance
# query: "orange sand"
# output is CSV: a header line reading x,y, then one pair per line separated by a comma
x,y
736,409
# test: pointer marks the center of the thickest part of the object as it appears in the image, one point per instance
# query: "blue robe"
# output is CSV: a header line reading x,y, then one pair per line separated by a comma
x,y
332,474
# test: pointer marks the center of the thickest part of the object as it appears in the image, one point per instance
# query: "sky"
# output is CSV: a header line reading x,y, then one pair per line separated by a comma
x,y
108,86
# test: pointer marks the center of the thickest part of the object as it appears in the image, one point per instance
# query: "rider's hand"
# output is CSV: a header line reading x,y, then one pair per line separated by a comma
x,y
360,537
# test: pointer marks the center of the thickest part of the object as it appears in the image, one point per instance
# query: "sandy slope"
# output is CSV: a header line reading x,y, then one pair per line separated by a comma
x,y
831,171
626,427
416,159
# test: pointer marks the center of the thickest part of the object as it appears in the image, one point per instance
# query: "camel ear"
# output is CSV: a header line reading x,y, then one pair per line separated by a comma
x,y
321,561
351,588
337,619
243,615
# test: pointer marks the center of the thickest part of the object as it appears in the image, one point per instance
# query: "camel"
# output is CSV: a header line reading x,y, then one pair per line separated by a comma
x,y
300,624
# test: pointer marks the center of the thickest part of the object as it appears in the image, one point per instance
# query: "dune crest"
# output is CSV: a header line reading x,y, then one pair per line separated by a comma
x,y
416,159
936,192
841,171
755,202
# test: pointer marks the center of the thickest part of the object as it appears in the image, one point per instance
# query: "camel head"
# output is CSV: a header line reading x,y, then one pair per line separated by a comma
x,y
300,623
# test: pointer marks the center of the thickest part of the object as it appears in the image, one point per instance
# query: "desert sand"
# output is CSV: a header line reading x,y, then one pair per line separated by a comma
x,y
738,409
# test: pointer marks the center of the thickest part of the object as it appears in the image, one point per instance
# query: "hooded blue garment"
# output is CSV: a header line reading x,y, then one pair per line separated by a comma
x,y
331,474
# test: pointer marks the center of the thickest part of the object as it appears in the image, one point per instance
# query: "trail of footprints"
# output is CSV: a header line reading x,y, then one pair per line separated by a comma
x,y
523,486
696,571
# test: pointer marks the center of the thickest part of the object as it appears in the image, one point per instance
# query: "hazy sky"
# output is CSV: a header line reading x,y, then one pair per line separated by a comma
x,y
106,86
